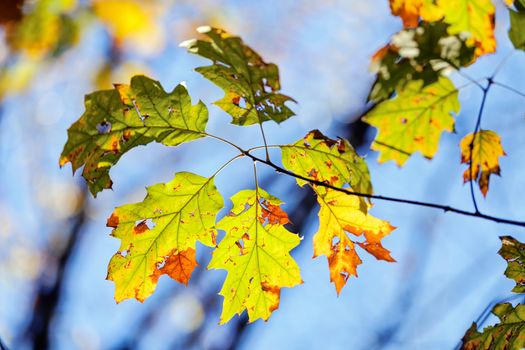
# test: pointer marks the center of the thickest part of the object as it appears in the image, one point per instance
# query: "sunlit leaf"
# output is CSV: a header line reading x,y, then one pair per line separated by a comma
x,y
118,120
474,17
158,235
256,254
486,150
508,334
413,120
340,215
335,162
411,10
251,86
514,252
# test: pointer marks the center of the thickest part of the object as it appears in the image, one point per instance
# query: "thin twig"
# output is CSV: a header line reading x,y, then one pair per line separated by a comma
x,y
445,208
509,88
471,145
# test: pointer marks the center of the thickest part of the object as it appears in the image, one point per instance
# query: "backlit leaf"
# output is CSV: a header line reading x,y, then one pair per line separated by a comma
x,y
158,235
486,150
411,10
340,215
118,120
335,162
413,120
251,86
508,334
473,19
256,254
514,252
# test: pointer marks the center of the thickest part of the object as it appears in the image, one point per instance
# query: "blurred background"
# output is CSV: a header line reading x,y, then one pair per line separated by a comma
x,y
54,243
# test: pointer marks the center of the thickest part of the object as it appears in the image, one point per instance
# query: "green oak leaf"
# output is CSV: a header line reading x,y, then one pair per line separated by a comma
x,y
115,121
251,85
159,234
513,252
335,162
256,253
508,334
413,120
517,25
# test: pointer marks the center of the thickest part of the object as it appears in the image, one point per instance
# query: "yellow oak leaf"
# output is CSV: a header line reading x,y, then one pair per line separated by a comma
x,y
339,216
158,235
256,254
413,120
481,151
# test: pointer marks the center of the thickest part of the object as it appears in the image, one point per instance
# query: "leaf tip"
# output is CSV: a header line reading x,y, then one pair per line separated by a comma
x,y
204,29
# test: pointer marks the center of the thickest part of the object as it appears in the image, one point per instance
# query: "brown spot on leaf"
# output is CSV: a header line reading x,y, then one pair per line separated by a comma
x,y
274,214
113,221
141,228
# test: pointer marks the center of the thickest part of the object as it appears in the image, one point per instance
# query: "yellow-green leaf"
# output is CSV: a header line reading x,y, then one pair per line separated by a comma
x,y
340,215
256,253
118,120
158,235
513,252
486,150
335,162
251,86
474,18
413,120
508,334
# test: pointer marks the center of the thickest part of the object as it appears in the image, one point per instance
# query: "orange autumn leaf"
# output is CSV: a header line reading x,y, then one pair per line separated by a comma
x,y
339,216
486,149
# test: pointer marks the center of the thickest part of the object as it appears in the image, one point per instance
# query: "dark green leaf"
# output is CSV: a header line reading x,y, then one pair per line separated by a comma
x,y
508,334
118,120
514,252
251,85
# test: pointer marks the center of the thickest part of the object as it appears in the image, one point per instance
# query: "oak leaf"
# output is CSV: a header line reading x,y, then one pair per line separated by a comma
x,y
334,162
340,215
481,151
513,252
115,121
413,120
251,86
508,334
256,253
158,235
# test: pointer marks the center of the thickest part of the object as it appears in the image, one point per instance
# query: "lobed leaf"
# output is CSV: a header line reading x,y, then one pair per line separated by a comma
x,y
413,120
513,252
473,19
335,162
483,148
158,235
251,86
256,254
508,334
340,214
115,121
